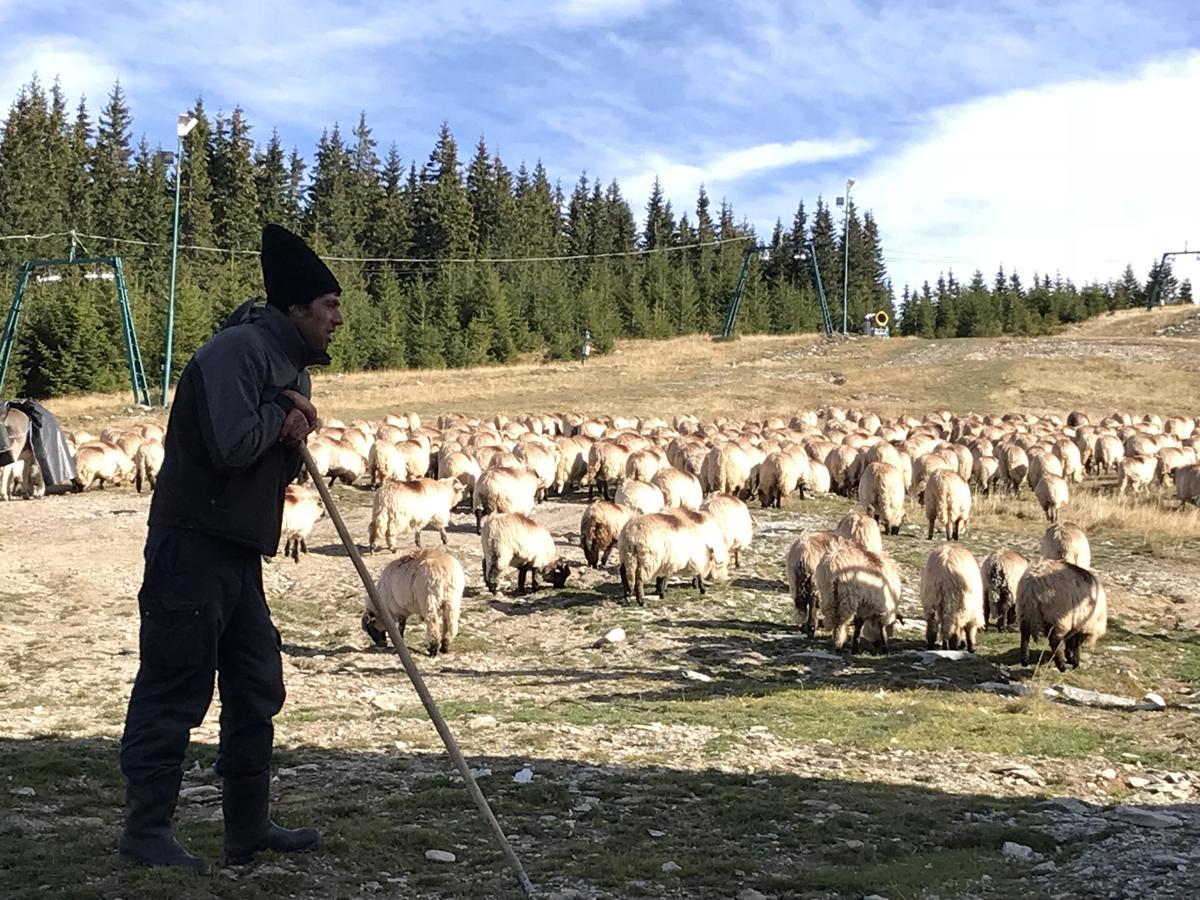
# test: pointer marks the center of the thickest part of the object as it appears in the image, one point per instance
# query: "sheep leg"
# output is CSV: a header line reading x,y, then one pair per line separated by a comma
x,y
930,537
492,580
533,582
442,532
607,553
624,581
957,528
589,552
1074,642
1058,646
478,521
987,609
894,530
1025,633
883,639
839,636
521,570
700,585
417,536
930,632
858,625
660,587
970,635
737,557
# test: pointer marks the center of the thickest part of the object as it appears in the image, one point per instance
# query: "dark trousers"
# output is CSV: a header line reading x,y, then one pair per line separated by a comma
x,y
203,612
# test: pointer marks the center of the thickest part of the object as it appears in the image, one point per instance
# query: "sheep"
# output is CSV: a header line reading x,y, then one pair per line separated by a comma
x,y
1052,494
1187,484
643,464
100,462
1109,452
1042,462
572,463
733,518
1136,472
503,490
542,461
147,463
924,467
599,529
1066,603
947,501
410,506
860,527
457,464
817,480
422,583
802,560
679,489
660,545
1014,465
386,460
985,474
780,475
952,598
1072,459
1066,541
726,470
1000,572
13,480
857,587
346,464
301,510
840,462
514,539
1170,459
881,492
642,497
605,468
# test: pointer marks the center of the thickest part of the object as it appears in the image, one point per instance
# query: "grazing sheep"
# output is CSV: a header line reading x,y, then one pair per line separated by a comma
x,y
925,466
605,468
817,480
422,583
346,464
839,461
1052,494
515,540
1042,462
642,465
600,529
385,460
147,463
661,545
1170,459
952,598
857,587
1072,460
543,462
301,510
1067,541
1014,466
733,518
1000,572
779,475
457,464
858,526
503,490
1066,603
679,488
1109,452
881,492
985,474
948,502
726,470
1187,484
1136,472
803,557
402,506
572,463
13,480
639,495
99,463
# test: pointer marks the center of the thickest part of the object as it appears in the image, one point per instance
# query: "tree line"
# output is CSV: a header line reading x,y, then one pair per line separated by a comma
x,y
448,262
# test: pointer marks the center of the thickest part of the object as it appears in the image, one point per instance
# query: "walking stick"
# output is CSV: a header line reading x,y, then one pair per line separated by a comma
x,y
389,623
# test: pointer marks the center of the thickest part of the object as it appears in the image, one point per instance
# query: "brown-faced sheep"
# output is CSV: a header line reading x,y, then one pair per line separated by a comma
x,y
662,545
951,598
947,502
422,583
803,557
1066,603
1000,572
301,510
733,518
881,492
600,529
515,540
857,587
402,506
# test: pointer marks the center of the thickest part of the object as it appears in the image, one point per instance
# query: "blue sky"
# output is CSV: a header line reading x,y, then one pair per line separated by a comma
x,y
1037,135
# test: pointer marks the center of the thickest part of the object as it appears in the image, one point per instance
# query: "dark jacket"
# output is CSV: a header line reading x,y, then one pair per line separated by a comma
x,y
224,470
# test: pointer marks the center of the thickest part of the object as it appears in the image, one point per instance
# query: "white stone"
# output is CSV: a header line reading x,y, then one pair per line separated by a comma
x,y
24,792
524,776
1045,868
1016,851
482,722
1108,774
1153,701
1136,782
441,856
750,894
615,636
1004,689
1146,818
200,793
693,675
656,834
671,867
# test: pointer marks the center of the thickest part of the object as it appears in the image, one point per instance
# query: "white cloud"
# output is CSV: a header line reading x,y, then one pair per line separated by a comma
x,y
1079,177
81,66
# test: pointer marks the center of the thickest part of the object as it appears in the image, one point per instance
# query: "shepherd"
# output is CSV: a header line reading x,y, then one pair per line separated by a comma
x,y
241,413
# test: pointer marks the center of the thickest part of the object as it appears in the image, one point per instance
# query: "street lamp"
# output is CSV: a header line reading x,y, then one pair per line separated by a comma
x,y
183,127
846,260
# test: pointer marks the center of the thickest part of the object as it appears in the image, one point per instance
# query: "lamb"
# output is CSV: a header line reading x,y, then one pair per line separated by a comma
x,y
1000,572
661,545
13,480
503,490
1066,603
600,528
857,587
514,539
858,526
780,475
147,463
948,502
1052,494
952,598
410,506
802,560
642,497
881,492
733,518
301,510
1066,541
422,583
679,488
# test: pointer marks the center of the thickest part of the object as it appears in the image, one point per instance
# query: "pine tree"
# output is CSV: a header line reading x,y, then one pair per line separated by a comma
x,y
235,202
271,184
110,166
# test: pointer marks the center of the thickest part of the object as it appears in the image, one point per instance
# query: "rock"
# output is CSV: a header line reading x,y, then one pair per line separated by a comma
x,y
823,655
1177,778
874,897
1023,772
1005,690
478,722
201,793
1137,782
1068,805
1016,851
671,867
750,894
615,636
481,772
1169,860
524,776
440,856
1153,701
853,845
385,702
24,792
1083,697
1146,818
1108,774
932,656
692,675
656,834
1045,868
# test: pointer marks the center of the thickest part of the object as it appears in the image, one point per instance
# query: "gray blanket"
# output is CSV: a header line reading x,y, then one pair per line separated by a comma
x,y
45,440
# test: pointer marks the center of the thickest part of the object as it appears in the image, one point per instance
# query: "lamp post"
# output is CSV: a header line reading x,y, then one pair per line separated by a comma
x,y
183,127
846,257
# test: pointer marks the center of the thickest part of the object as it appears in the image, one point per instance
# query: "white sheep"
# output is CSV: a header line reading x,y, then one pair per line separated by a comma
x,y
679,488
947,502
662,545
803,557
515,540
641,496
600,528
857,588
402,506
881,492
422,583
952,598
301,510
147,462
1136,472
1066,603
779,475
1053,494
1000,572
1067,541
858,526
733,518
504,490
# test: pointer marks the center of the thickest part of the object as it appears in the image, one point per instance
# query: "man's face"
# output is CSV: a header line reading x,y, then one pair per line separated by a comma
x,y
318,320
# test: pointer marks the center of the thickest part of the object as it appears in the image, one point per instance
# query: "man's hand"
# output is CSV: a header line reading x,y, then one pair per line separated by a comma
x,y
296,428
304,406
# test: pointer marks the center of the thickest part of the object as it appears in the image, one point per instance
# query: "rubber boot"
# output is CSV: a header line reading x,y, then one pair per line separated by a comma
x,y
245,801
147,837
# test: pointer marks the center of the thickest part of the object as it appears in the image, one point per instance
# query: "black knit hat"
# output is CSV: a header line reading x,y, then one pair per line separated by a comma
x,y
292,273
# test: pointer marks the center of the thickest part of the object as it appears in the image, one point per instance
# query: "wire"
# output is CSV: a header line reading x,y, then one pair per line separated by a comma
x,y
34,237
